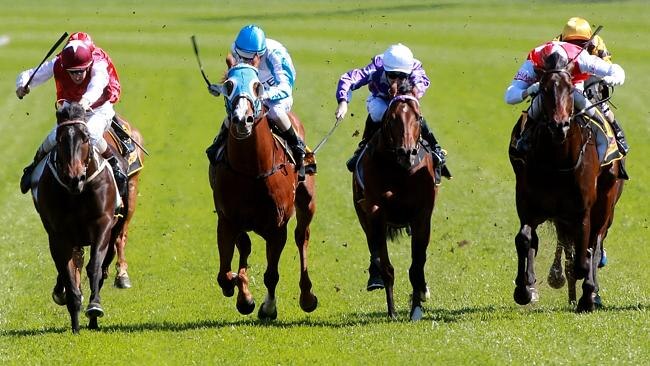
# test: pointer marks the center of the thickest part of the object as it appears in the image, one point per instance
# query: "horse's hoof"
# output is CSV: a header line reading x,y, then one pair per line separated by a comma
x,y
556,279
228,292
246,307
263,315
417,314
522,295
309,306
598,302
122,282
59,298
585,305
375,283
94,310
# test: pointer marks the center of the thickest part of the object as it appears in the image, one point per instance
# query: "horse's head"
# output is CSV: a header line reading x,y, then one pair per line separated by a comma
x,y
243,94
401,125
73,148
556,93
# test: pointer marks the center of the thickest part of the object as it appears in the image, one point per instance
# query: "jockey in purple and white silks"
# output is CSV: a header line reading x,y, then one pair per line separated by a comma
x,y
397,62
278,75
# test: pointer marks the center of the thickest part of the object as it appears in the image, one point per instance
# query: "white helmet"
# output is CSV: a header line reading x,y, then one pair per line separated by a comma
x,y
398,58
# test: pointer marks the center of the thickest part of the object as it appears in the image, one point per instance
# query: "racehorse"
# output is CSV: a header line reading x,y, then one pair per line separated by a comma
x,y
77,200
257,189
393,188
561,179
122,279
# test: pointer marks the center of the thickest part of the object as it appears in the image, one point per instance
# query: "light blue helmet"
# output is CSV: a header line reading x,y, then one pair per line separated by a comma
x,y
251,40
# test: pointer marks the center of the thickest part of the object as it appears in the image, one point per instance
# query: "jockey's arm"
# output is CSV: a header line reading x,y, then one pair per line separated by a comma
x,y
353,80
98,81
420,80
282,73
613,74
43,74
517,90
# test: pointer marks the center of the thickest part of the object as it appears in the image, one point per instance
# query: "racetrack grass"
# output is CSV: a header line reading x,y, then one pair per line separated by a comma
x,y
176,314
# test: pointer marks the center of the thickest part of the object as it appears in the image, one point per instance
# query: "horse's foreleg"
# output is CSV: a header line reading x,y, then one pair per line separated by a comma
x,y
275,242
305,208
245,301
419,242
98,251
526,242
63,260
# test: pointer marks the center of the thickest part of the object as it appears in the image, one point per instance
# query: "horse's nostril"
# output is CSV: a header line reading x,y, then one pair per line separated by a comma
x,y
249,119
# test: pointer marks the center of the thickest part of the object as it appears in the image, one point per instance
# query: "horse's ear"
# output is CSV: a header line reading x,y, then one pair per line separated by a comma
x,y
259,89
229,86
230,60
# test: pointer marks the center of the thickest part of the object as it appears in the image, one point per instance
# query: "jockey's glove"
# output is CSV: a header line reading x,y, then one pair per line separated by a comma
x,y
612,80
533,89
341,110
214,89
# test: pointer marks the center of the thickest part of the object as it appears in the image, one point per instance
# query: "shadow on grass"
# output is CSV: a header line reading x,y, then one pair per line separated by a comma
x,y
438,315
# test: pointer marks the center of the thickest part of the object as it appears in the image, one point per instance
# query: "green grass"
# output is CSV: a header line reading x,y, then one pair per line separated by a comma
x,y
175,313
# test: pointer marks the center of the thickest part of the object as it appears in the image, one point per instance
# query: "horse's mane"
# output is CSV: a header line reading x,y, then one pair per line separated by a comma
x,y
555,61
71,111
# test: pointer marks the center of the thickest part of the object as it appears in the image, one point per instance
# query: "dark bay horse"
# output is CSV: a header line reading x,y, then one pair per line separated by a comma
x,y
256,189
394,188
561,180
77,201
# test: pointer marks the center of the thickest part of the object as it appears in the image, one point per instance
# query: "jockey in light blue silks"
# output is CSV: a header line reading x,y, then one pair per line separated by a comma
x,y
278,75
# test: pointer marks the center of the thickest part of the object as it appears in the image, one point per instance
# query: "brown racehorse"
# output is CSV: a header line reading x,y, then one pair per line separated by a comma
x,y
76,200
561,180
256,189
122,279
393,188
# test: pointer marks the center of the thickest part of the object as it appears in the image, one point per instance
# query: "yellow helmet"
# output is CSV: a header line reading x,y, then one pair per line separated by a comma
x,y
576,28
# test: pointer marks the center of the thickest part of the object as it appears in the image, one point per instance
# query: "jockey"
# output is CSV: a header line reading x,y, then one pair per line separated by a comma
x,y
578,31
278,75
526,81
85,75
396,63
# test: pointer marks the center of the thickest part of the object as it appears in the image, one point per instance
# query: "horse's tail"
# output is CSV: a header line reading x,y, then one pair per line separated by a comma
x,y
393,232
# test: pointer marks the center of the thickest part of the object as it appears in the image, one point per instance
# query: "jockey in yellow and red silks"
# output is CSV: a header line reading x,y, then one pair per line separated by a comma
x,y
82,73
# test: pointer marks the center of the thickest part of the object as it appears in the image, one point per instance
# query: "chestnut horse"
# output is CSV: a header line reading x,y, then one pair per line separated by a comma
x,y
394,188
77,200
122,279
257,189
561,180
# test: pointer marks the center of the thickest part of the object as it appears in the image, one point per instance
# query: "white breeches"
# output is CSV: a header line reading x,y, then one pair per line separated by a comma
x,y
579,102
278,112
98,122
376,107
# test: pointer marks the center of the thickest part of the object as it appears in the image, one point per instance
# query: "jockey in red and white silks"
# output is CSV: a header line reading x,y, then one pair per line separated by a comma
x,y
526,80
98,90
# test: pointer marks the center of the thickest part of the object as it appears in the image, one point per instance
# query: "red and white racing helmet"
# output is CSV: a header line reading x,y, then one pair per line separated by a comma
x,y
83,37
76,56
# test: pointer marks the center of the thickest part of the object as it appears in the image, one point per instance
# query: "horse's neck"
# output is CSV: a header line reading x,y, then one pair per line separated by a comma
x,y
254,154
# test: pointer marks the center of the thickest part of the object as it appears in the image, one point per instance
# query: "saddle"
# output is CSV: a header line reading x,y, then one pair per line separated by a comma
x,y
120,132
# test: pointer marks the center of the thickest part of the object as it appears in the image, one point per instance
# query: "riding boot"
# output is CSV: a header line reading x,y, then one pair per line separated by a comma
x,y
368,131
375,282
26,179
211,151
438,152
623,147
120,178
297,147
